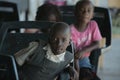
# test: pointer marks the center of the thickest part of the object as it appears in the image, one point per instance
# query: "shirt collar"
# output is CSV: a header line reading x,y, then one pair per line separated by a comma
x,y
50,55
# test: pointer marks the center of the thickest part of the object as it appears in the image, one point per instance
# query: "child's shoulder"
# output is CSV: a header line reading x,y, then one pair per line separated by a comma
x,y
69,54
93,22
72,26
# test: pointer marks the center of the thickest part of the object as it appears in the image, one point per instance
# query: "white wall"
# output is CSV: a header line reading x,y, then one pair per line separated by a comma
x,y
33,5
101,3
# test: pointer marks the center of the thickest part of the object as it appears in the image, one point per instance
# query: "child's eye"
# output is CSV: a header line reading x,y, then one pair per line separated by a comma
x,y
81,10
64,40
53,39
88,10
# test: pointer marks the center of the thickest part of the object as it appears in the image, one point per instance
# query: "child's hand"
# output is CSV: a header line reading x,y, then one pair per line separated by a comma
x,y
72,78
73,73
79,55
75,77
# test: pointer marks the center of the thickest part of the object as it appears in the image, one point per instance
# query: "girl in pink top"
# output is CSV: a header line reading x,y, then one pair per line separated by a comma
x,y
85,36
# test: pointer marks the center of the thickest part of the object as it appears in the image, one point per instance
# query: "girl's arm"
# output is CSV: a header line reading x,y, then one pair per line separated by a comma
x,y
89,48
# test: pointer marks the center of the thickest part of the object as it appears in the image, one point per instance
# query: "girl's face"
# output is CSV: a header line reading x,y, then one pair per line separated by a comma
x,y
52,17
85,12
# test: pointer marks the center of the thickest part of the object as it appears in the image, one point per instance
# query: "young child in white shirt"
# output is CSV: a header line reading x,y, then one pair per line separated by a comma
x,y
44,61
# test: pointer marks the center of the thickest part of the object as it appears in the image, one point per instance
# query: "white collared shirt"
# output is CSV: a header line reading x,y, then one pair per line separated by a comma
x,y
50,55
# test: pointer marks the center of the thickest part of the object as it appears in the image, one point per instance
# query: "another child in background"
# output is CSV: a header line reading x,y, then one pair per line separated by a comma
x,y
44,61
85,36
46,12
56,2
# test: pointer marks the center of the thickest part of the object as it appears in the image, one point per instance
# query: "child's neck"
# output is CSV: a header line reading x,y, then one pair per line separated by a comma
x,y
81,26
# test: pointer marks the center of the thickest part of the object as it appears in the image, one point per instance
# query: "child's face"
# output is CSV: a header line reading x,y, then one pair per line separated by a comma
x,y
52,17
59,41
85,12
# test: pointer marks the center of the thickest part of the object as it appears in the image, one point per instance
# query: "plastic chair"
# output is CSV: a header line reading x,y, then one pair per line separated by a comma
x,y
8,69
12,42
8,12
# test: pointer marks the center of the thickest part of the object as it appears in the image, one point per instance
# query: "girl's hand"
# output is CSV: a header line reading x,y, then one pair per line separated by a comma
x,y
79,55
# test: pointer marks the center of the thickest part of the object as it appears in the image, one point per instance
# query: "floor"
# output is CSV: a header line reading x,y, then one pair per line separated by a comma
x,y
111,62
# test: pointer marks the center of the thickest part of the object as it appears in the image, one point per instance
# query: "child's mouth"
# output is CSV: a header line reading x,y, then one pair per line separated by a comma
x,y
59,50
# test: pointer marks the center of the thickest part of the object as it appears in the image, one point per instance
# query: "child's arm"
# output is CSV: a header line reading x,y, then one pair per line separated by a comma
x,y
23,54
76,63
92,46
73,73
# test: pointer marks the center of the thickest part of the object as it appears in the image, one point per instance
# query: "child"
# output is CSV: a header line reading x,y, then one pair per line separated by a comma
x,y
44,61
46,12
85,36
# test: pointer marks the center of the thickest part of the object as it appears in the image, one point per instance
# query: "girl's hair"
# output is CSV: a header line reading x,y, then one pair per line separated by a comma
x,y
79,4
44,11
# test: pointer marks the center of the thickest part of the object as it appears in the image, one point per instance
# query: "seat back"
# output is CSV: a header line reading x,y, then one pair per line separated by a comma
x,y
13,42
8,69
8,11
67,10
103,18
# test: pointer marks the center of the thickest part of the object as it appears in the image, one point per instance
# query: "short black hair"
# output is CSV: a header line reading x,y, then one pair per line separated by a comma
x,y
44,11
79,4
59,26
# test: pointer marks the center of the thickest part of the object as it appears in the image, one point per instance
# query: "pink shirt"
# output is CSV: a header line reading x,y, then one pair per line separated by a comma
x,y
57,2
82,39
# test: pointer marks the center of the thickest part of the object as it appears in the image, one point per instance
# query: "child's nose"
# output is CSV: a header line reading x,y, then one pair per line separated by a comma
x,y
59,42
85,12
